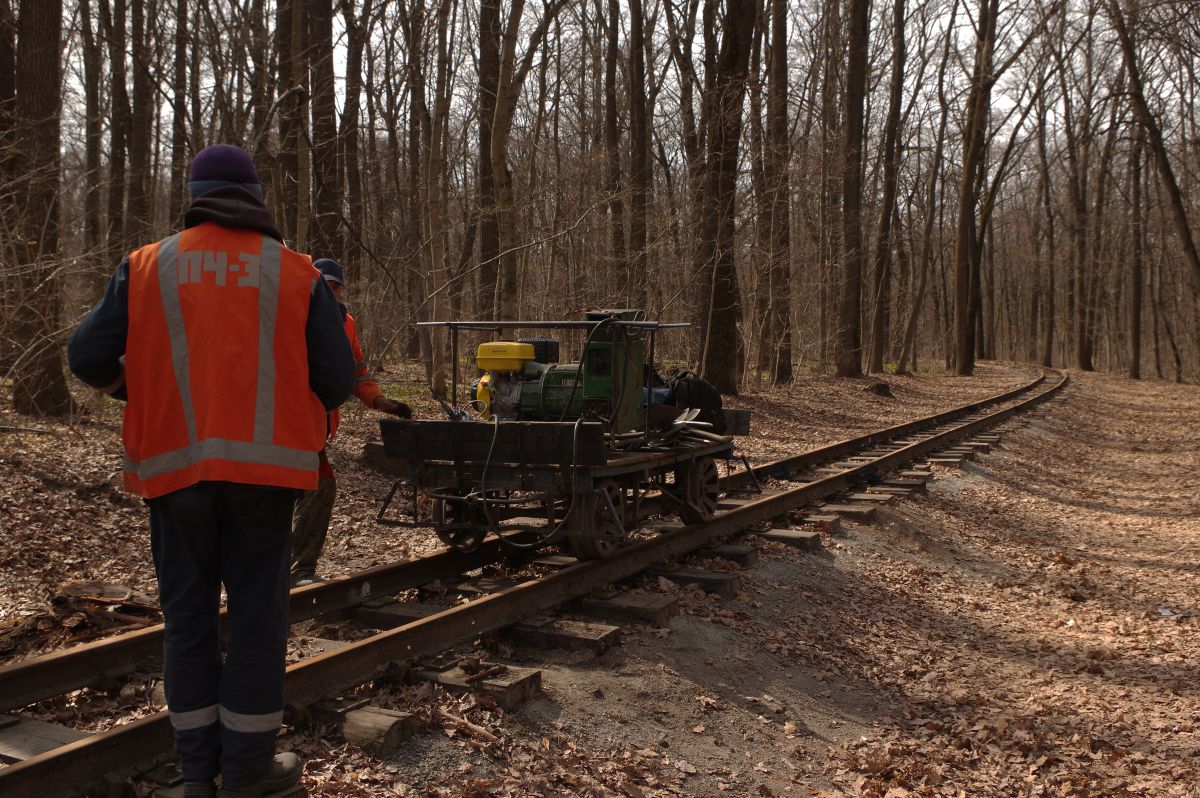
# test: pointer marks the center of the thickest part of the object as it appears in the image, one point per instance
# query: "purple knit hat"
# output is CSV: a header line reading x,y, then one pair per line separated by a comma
x,y
222,165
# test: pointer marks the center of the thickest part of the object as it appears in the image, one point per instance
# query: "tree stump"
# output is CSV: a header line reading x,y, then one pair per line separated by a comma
x,y
378,731
878,387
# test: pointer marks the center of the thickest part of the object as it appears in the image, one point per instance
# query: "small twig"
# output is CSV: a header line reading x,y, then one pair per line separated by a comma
x,y
486,673
35,430
478,731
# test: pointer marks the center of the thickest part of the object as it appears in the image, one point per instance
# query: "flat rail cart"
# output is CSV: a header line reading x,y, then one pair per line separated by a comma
x,y
543,452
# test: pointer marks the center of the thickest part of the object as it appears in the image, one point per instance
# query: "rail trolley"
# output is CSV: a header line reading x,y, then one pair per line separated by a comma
x,y
542,452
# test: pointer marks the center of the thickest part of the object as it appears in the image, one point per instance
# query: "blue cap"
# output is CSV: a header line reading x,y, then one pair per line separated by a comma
x,y
330,269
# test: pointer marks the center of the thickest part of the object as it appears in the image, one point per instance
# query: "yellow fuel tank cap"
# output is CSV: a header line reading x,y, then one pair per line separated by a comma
x,y
503,356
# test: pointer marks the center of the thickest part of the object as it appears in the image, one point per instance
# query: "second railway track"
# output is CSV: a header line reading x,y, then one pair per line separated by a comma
x,y
71,768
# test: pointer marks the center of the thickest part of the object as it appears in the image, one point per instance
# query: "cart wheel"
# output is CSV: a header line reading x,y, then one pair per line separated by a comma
x,y
458,525
703,491
597,531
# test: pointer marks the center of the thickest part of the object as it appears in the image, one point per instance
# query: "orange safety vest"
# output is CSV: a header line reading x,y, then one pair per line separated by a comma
x,y
216,366
365,387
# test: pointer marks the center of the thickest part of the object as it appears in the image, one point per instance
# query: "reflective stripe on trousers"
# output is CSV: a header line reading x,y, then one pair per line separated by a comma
x,y
249,724
194,719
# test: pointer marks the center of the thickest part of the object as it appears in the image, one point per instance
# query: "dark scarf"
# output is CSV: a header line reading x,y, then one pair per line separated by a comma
x,y
232,207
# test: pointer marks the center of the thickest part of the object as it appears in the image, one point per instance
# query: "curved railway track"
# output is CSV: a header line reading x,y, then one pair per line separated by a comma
x,y
73,768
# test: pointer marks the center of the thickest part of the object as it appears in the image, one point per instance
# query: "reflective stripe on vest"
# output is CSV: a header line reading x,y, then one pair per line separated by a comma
x,y
261,272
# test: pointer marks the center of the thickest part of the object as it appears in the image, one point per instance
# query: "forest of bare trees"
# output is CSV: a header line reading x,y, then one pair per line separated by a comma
x,y
831,185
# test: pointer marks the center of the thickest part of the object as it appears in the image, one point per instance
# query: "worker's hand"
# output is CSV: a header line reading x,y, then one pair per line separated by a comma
x,y
392,406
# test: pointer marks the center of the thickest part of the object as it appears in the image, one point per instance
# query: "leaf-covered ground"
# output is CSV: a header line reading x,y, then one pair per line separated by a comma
x,y
1027,628
65,517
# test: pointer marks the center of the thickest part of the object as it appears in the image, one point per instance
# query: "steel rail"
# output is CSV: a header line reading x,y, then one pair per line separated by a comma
x,y
100,662
71,768
789,465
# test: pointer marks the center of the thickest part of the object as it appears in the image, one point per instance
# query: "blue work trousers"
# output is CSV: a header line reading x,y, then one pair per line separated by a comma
x,y
225,712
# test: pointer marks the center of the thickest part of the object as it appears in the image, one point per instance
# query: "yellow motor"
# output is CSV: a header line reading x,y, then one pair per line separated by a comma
x,y
503,356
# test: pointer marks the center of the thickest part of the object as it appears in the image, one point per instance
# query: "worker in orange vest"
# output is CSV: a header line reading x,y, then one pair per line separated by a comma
x,y
229,351
310,522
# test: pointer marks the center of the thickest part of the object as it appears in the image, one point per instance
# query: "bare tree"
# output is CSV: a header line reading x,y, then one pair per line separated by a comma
x,y
39,385
849,337
887,209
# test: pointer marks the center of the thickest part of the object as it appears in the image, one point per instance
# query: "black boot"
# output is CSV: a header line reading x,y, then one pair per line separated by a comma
x,y
285,771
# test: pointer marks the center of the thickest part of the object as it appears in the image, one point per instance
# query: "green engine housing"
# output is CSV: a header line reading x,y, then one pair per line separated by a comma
x,y
606,384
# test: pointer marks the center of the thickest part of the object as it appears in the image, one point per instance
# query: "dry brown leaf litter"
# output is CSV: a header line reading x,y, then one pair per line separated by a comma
x,y
1027,629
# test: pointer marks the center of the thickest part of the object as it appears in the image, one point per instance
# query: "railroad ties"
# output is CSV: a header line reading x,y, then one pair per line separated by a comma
x,y
818,492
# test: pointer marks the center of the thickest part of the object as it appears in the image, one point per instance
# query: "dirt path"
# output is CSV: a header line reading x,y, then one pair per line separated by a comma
x,y
1028,628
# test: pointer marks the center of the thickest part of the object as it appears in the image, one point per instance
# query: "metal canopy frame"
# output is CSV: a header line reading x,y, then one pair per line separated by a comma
x,y
652,327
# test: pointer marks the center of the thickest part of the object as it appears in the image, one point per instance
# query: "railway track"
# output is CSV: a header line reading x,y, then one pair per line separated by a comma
x,y
818,475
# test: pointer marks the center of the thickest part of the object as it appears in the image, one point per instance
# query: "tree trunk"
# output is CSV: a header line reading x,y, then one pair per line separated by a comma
x,y
640,176
974,135
1047,356
849,347
113,23
39,384
489,230
779,158
356,36
327,188
726,90
300,73
179,141
93,67
1135,262
891,163
759,332
508,87
931,196
290,121
622,280
831,195
1158,147
139,219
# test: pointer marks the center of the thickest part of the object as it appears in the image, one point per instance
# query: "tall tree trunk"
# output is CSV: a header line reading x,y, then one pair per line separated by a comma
x,y
779,158
640,176
39,385
489,230
179,140
93,220
8,92
849,348
433,124
327,189
290,119
975,137
1136,277
1158,147
891,163
300,60
113,22
622,280
1047,358
356,36
138,210
759,332
832,132
10,291
721,352
508,88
